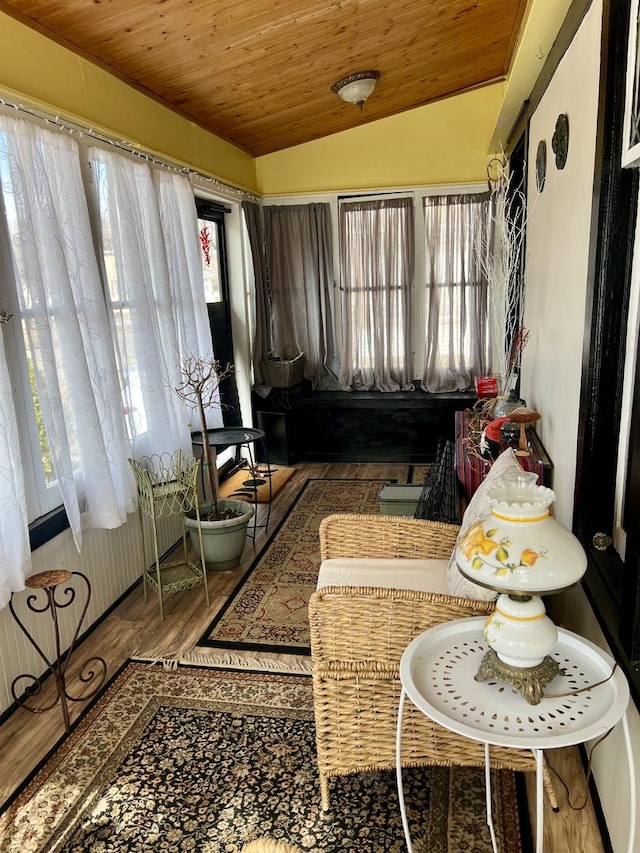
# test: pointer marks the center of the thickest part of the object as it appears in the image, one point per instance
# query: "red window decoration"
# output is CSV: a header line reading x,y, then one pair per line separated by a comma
x,y
205,242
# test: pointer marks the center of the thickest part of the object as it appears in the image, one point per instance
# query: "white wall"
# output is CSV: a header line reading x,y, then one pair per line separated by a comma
x,y
558,240
558,233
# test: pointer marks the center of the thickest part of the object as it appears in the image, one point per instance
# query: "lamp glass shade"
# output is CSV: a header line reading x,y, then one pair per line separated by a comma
x,y
358,91
520,548
356,88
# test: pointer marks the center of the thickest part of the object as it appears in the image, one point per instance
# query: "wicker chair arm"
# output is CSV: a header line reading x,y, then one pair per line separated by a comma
x,y
349,625
384,536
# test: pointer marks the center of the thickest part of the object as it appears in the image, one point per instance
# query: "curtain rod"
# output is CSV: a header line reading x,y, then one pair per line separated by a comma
x,y
129,148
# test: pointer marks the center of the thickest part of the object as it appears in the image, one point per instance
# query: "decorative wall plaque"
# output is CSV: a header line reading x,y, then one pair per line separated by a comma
x,y
560,140
541,165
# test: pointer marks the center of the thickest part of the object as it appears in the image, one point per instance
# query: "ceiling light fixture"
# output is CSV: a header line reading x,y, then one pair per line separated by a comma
x,y
356,88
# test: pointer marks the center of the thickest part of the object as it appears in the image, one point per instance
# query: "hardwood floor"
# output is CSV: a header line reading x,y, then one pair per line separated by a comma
x,y
135,626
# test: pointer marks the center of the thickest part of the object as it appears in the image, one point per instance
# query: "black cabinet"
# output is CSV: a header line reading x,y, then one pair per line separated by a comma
x,y
359,426
276,430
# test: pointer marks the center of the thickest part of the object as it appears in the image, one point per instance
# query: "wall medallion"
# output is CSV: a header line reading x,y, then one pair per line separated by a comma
x,y
541,165
560,140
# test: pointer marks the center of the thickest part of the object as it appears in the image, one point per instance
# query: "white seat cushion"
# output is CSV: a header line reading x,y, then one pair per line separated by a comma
x,y
392,573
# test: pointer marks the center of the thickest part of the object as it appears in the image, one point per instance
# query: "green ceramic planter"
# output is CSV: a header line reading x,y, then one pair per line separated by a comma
x,y
223,541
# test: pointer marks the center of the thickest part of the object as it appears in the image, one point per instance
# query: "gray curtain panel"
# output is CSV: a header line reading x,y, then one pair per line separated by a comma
x,y
376,273
457,230
262,340
300,253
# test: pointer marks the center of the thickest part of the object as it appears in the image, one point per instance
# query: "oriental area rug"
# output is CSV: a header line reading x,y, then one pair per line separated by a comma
x,y
204,760
268,609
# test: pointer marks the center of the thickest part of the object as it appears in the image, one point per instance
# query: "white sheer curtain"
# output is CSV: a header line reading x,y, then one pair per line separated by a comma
x,y
184,261
179,220
456,232
376,275
15,554
156,295
65,324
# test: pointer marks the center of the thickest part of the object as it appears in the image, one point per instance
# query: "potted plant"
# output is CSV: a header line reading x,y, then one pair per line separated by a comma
x,y
223,522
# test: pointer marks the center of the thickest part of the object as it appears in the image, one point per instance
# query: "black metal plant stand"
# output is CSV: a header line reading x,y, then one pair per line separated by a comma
x,y
93,670
223,437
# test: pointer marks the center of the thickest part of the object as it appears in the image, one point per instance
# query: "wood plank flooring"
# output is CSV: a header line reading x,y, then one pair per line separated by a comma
x,y
136,626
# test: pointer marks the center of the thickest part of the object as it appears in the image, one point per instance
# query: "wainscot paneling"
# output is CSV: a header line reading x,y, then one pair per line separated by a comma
x,y
111,559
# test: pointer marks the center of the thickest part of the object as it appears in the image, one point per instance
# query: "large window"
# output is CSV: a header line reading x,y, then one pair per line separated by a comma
x,y
457,231
42,491
102,271
376,276
410,287
119,301
213,244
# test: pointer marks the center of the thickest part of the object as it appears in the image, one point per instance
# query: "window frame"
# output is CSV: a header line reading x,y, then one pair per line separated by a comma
x,y
41,499
220,312
630,149
344,201
612,586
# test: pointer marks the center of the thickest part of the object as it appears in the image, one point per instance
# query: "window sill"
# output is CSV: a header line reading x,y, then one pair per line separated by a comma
x,y
43,529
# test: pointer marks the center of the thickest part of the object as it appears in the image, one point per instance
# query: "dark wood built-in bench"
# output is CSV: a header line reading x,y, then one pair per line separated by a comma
x,y
302,425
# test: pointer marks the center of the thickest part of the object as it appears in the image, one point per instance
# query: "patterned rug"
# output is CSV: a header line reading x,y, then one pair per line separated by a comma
x,y
203,760
418,473
268,609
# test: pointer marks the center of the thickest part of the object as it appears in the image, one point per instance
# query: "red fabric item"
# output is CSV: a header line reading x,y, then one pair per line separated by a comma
x,y
492,430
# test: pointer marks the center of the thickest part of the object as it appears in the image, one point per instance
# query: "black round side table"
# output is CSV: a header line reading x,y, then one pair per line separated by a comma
x,y
222,437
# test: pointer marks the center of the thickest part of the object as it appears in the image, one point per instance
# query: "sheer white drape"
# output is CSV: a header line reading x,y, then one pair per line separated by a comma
x,y
456,232
153,283
15,554
65,324
376,274
184,261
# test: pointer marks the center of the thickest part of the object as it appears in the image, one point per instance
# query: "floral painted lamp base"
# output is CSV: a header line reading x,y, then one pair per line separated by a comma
x,y
521,638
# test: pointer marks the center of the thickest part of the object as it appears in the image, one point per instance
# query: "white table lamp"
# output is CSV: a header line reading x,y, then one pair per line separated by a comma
x,y
522,552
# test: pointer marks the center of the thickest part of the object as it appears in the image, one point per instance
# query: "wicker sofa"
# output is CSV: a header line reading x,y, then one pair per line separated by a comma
x,y
358,635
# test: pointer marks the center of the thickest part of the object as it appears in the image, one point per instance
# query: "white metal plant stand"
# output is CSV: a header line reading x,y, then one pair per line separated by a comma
x,y
437,673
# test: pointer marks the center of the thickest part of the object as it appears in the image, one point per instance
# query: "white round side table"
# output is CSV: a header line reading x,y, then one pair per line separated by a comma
x,y
437,673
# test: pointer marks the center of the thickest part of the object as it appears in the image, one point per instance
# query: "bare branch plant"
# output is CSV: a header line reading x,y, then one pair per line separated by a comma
x,y
500,256
200,389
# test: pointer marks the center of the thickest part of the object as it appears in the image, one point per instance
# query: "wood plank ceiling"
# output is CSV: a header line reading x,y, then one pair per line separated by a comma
x,y
259,72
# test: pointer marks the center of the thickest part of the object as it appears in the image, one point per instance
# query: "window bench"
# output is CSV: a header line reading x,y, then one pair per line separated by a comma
x,y
302,425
